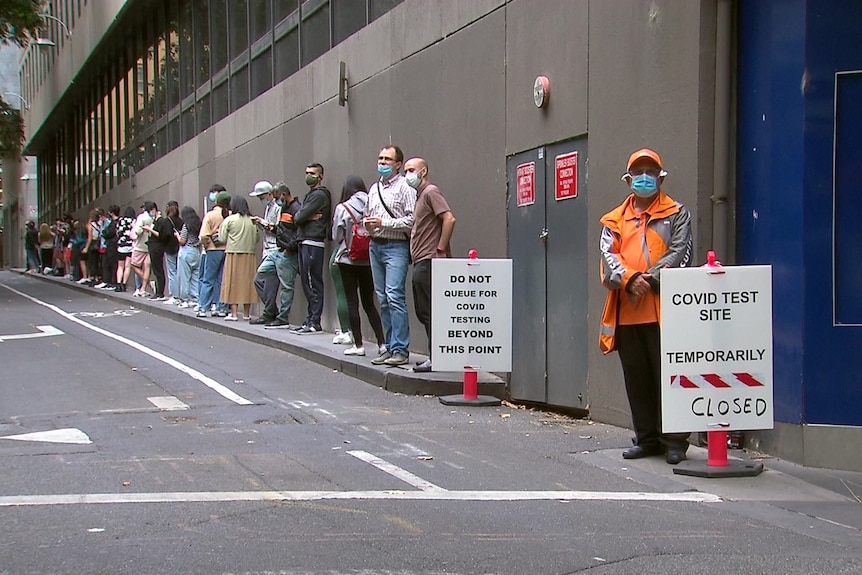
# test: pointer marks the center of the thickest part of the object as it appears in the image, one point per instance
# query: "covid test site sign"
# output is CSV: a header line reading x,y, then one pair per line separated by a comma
x,y
471,305
716,348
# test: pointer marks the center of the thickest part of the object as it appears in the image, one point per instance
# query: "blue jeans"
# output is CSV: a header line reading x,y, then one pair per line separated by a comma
x,y
188,269
277,270
389,262
197,295
311,274
211,281
33,260
173,280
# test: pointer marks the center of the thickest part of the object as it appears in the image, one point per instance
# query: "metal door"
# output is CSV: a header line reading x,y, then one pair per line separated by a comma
x,y
549,247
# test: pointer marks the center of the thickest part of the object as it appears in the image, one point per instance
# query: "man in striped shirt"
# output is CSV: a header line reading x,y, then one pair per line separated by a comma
x,y
389,219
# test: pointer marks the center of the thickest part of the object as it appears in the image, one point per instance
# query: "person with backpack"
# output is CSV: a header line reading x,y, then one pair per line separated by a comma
x,y
351,256
286,238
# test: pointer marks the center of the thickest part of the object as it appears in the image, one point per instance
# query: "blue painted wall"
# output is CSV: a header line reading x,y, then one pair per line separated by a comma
x,y
789,53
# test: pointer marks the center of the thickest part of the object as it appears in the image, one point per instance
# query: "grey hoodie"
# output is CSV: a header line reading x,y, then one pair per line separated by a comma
x,y
342,226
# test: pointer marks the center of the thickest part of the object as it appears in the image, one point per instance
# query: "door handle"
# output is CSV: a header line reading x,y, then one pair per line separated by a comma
x,y
544,235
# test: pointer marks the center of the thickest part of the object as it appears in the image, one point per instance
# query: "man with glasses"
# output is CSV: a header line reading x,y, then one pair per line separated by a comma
x,y
312,221
389,219
648,232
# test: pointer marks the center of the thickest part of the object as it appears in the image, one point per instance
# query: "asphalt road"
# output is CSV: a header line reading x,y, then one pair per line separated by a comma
x,y
131,443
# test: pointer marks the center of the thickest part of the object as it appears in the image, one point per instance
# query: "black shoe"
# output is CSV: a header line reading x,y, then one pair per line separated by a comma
x,y
674,456
640,451
261,320
277,324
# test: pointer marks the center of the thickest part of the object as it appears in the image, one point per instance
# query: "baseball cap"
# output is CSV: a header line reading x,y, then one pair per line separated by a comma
x,y
261,188
644,153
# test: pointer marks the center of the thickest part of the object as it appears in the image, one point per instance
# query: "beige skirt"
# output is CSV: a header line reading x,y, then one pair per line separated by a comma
x,y
237,284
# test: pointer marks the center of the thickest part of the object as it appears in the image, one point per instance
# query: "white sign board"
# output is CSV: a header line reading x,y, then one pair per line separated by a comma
x,y
716,348
471,308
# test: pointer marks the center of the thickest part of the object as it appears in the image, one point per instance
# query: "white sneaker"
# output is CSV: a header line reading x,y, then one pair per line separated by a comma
x,y
382,349
100,285
184,305
342,338
353,350
171,301
231,318
81,281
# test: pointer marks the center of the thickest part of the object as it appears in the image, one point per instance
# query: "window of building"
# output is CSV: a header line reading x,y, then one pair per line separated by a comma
x,y
314,34
348,17
238,27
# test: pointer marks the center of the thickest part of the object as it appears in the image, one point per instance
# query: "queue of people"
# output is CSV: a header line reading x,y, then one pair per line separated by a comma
x,y
210,263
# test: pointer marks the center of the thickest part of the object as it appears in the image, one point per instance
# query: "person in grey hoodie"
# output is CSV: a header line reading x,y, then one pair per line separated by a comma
x,y
355,273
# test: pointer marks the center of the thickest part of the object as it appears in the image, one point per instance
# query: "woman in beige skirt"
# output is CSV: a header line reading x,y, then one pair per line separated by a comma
x,y
240,265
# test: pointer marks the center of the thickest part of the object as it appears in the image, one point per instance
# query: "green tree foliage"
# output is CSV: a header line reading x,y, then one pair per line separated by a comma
x,y
19,21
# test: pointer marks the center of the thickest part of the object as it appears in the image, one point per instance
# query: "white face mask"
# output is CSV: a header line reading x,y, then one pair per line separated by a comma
x,y
413,179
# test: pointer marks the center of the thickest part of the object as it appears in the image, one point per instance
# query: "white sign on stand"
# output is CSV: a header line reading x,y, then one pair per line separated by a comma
x,y
716,348
471,305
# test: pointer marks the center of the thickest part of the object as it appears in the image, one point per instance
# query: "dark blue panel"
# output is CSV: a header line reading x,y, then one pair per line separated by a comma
x,y
848,168
769,212
833,393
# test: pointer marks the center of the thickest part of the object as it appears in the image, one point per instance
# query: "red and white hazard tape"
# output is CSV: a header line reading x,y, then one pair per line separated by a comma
x,y
723,380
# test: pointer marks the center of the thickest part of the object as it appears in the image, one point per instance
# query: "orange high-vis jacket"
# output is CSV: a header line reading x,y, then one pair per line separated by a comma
x,y
666,242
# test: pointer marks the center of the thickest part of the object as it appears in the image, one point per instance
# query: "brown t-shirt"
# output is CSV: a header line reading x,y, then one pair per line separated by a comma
x,y
427,225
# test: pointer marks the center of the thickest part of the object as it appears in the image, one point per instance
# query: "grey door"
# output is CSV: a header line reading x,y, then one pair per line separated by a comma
x,y
549,248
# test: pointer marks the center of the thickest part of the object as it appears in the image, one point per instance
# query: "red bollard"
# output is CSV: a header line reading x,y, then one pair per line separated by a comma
x,y
471,384
716,448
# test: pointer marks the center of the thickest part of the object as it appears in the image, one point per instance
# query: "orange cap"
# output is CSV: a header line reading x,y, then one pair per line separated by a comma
x,y
644,153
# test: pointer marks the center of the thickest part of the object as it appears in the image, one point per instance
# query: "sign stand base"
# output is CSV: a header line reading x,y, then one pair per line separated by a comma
x,y
717,464
470,395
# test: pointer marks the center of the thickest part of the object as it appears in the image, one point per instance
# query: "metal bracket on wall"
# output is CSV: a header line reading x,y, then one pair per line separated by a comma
x,y
342,84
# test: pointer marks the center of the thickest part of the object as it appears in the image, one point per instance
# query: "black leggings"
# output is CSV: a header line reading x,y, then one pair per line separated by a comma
x,y
93,262
359,277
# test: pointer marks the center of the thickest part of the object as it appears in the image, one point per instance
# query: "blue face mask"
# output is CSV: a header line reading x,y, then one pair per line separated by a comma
x,y
384,170
644,185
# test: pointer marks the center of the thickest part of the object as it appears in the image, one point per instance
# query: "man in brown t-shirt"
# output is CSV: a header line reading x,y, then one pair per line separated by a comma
x,y
433,224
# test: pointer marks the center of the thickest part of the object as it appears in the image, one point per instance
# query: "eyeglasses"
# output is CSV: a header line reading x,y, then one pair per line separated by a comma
x,y
385,159
654,172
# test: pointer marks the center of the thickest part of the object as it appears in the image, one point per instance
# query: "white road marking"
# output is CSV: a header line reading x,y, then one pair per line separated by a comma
x,y
168,403
193,373
433,495
68,435
44,331
395,471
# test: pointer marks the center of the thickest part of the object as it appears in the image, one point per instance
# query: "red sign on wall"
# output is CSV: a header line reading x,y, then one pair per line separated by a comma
x,y
526,174
566,170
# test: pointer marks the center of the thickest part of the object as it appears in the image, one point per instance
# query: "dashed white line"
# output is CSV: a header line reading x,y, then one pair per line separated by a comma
x,y
193,373
395,471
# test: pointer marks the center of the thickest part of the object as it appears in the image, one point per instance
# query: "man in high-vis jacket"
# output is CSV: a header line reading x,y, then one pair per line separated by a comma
x,y
648,232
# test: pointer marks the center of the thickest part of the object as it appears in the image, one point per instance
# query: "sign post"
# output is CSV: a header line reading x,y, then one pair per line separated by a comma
x,y
716,358
471,328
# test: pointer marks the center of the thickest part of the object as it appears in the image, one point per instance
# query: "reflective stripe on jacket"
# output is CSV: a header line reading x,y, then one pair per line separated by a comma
x,y
667,243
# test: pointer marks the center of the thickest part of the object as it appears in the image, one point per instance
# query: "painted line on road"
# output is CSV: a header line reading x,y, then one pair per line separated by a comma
x,y
428,495
44,331
395,471
193,373
168,403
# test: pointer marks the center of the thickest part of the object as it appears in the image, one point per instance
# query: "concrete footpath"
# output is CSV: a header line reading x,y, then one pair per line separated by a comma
x,y
829,499
315,347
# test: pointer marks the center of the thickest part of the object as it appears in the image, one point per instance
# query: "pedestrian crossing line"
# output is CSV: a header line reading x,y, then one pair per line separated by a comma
x,y
395,471
191,372
168,403
422,495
